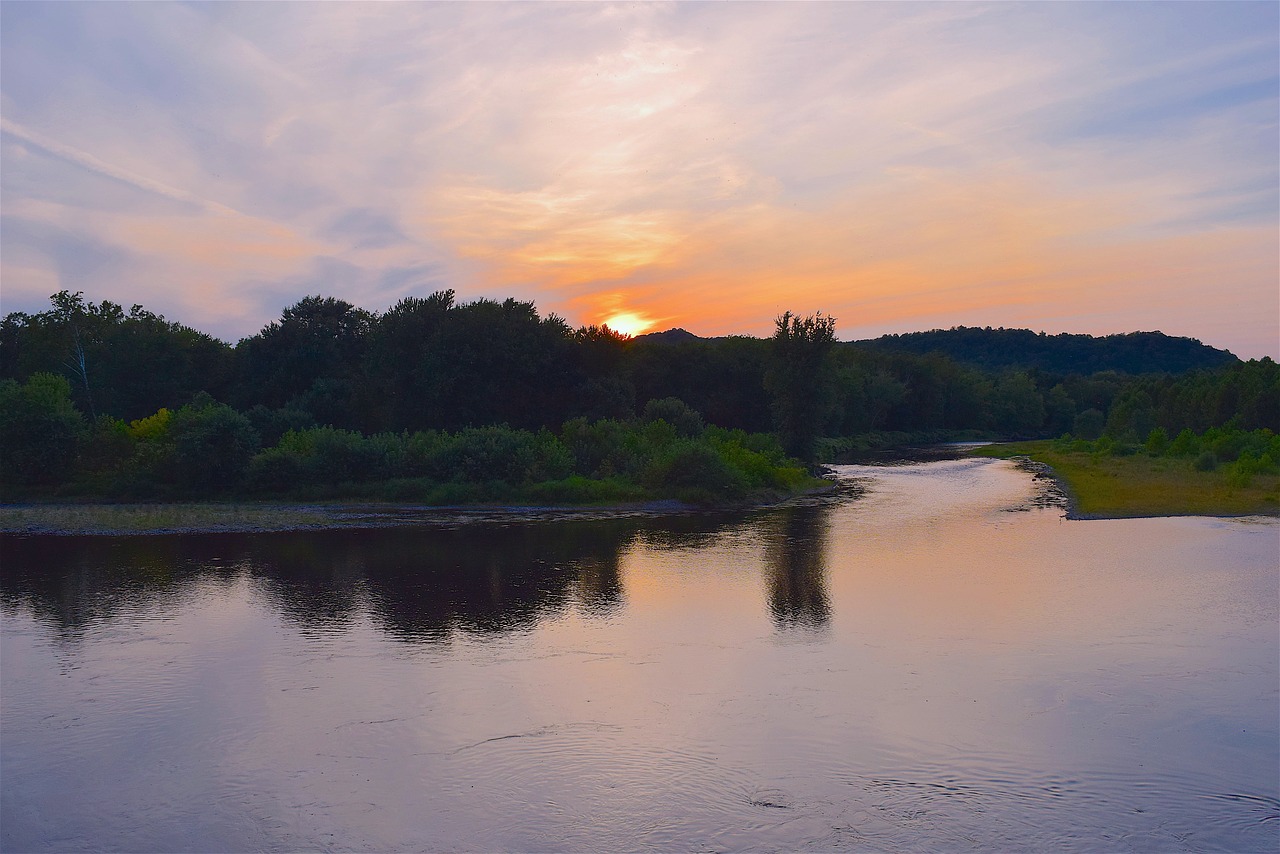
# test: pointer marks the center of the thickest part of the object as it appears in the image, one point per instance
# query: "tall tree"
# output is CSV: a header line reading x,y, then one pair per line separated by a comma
x,y
312,358
800,381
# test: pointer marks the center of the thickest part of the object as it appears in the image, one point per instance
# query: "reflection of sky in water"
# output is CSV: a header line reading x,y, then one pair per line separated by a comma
x,y
924,667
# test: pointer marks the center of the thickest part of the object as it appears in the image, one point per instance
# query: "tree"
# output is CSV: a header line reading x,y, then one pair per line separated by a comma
x,y
1016,406
124,365
799,380
319,338
71,309
39,429
212,444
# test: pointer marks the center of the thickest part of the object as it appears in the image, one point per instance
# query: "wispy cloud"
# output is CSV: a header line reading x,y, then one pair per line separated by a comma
x,y
93,164
703,165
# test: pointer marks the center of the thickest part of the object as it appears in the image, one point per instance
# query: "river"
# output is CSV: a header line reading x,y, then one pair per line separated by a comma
x,y
929,660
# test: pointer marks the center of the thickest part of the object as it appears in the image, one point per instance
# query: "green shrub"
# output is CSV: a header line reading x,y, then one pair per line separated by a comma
x,y
551,459
1185,444
479,454
107,446
1207,461
694,472
39,429
1157,442
686,421
317,456
420,448
577,489
1228,445
603,448
272,424
213,445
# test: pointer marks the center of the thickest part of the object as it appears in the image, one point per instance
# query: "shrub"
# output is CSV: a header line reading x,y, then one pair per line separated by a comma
x,y
39,429
1157,442
602,448
153,428
338,456
272,424
576,489
686,421
1185,444
318,456
107,446
419,450
552,460
1206,462
479,454
213,445
1228,445
694,472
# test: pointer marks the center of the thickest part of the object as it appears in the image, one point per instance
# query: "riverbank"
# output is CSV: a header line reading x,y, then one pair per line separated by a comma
x,y
62,519
1101,486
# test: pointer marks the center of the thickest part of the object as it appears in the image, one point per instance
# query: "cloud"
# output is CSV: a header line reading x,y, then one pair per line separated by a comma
x,y
93,164
699,164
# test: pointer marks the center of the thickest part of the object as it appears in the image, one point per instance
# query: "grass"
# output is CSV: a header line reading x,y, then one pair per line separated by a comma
x,y
162,518
1140,485
353,510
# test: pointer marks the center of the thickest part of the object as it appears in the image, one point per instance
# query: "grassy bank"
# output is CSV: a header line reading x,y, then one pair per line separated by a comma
x,y
1103,485
115,519
166,518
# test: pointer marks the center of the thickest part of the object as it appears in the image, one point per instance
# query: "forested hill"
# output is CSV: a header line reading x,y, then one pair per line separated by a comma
x,y
1000,349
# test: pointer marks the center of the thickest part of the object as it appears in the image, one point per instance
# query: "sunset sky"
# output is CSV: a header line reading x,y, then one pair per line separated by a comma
x,y
1065,167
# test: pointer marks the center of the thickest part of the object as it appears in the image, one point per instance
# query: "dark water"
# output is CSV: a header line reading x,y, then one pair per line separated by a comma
x,y
934,664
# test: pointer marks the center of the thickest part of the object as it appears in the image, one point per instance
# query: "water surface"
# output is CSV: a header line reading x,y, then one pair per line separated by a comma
x,y
928,662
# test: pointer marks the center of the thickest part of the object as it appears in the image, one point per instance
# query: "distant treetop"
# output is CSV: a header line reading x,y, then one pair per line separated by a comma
x,y
998,349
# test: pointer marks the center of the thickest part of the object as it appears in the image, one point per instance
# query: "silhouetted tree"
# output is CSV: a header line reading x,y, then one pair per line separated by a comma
x,y
799,380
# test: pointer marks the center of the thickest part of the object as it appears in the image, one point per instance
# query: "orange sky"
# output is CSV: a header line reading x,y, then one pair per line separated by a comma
x,y
1090,168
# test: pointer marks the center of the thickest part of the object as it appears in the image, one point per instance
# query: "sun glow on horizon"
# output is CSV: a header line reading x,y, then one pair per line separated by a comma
x,y
629,323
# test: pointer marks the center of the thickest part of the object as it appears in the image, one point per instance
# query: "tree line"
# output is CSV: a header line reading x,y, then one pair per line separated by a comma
x,y
328,373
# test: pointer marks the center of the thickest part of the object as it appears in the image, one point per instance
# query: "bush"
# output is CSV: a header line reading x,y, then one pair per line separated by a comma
x,y
479,454
552,460
318,456
1249,463
213,445
1206,462
686,421
107,446
153,428
576,489
694,472
1228,445
1157,442
602,448
1185,444
39,429
272,424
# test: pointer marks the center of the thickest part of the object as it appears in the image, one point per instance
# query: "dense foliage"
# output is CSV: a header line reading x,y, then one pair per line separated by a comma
x,y
433,395
1000,349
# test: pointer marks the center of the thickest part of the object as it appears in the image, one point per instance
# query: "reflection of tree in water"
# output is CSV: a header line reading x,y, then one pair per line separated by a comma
x,y
421,583
598,588
796,564
417,583
424,583
72,583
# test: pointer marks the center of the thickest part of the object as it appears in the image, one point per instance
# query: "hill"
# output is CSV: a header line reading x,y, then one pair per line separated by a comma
x,y
998,349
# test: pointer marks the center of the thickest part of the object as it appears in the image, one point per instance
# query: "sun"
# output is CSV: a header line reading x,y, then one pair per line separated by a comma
x,y
628,323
